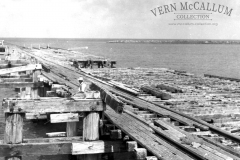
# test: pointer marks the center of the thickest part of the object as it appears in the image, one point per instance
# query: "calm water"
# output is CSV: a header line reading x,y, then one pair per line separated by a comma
x,y
213,59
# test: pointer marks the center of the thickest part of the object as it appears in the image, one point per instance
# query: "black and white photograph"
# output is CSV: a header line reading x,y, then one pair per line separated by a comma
x,y
120,80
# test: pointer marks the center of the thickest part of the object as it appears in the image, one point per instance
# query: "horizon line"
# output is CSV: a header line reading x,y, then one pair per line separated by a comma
x,y
113,38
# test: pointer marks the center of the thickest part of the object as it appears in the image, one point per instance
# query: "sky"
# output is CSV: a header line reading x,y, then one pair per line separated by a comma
x,y
110,19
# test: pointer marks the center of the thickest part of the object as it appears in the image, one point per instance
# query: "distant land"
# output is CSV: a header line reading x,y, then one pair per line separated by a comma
x,y
176,41
123,40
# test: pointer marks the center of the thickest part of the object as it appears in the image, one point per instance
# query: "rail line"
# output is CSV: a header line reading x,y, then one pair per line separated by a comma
x,y
173,127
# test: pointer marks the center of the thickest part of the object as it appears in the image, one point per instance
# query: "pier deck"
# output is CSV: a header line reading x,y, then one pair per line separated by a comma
x,y
163,132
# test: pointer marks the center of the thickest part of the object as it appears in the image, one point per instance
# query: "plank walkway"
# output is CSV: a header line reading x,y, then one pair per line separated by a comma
x,y
141,133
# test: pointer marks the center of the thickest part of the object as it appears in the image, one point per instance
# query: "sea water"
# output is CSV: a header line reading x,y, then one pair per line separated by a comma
x,y
216,59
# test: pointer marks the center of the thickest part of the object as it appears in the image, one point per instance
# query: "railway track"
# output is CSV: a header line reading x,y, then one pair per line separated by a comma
x,y
186,136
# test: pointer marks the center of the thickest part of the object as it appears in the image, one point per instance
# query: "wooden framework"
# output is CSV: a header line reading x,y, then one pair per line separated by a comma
x,y
49,105
74,147
20,69
61,110
21,84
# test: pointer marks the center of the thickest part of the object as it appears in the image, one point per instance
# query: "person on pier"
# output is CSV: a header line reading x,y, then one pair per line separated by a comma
x,y
81,89
85,91
82,85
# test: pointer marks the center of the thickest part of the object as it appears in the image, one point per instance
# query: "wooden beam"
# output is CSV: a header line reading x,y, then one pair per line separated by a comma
x,y
57,148
123,87
20,69
9,76
52,105
156,92
57,86
14,62
151,158
20,84
95,147
35,116
109,98
7,80
56,134
2,66
55,139
64,117
51,140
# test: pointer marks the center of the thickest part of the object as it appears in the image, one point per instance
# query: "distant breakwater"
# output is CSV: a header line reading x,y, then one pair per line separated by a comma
x,y
178,41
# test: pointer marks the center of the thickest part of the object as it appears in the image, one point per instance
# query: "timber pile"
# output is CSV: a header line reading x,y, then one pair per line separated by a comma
x,y
157,93
211,99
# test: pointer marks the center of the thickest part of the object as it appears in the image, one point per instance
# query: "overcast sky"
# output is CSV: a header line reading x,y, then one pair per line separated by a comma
x,y
108,19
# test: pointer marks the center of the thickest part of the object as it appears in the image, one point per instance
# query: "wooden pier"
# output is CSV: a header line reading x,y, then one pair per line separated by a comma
x,y
80,63
118,125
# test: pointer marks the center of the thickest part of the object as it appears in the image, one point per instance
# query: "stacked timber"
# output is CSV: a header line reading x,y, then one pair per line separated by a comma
x,y
209,98
169,88
157,93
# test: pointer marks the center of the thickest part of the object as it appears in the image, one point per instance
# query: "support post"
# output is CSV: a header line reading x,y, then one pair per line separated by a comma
x,y
71,129
91,131
22,92
13,131
141,153
34,92
28,92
